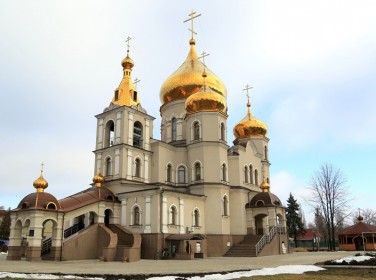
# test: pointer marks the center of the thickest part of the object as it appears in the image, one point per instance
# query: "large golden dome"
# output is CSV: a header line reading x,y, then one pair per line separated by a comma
x,y
250,126
187,79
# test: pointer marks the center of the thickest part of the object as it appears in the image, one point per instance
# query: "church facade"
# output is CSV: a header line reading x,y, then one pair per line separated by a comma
x,y
188,195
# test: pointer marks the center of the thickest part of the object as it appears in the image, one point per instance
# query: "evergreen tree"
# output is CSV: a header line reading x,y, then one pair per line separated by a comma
x,y
294,221
5,226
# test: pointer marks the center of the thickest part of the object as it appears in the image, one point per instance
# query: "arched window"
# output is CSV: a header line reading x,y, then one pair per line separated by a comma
x,y
137,168
108,166
266,152
181,175
251,174
135,96
136,216
137,134
169,173
109,134
246,174
173,129
256,177
225,205
173,215
197,171
196,218
267,180
223,132
196,131
224,172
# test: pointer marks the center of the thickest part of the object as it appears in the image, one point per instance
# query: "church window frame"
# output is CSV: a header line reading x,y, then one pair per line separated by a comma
x,y
173,129
246,174
196,130
182,170
136,215
109,133
197,171
225,206
135,95
256,177
224,176
169,173
222,132
196,217
137,167
266,152
137,134
173,215
51,206
251,175
108,166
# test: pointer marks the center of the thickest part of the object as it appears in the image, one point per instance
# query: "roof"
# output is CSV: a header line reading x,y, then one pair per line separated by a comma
x,y
264,199
40,201
310,234
358,228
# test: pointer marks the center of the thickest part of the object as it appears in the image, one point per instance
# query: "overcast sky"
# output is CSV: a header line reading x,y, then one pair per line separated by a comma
x,y
312,66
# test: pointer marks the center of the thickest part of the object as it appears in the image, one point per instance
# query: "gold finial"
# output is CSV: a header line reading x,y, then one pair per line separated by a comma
x,y
98,179
136,81
265,186
192,16
203,55
127,41
40,184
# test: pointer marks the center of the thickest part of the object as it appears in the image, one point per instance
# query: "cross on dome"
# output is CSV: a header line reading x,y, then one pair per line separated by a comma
x,y
247,88
136,81
127,41
192,16
42,165
203,55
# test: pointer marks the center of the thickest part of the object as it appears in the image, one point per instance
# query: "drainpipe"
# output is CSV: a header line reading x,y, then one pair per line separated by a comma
x,y
62,238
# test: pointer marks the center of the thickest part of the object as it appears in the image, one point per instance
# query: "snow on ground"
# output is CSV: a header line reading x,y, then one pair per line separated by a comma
x,y
354,258
44,276
285,269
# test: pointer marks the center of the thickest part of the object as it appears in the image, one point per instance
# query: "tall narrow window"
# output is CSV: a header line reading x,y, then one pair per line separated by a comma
x,y
173,129
137,168
134,96
173,214
197,171
169,172
223,132
251,174
116,95
136,216
181,175
196,131
225,206
256,177
196,218
246,174
109,134
108,166
224,172
266,152
137,134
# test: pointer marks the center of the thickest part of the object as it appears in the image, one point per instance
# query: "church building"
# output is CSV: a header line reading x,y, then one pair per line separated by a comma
x,y
190,194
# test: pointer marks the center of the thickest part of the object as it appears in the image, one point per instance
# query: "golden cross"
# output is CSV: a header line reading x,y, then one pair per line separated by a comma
x,y
42,166
203,55
128,40
247,88
192,16
136,81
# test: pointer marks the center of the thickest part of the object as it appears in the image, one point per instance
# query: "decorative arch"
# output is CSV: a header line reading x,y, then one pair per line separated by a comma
x,y
182,174
109,133
224,175
173,214
197,171
196,217
246,174
222,131
137,167
225,206
136,215
169,172
137,134
108,165
51,206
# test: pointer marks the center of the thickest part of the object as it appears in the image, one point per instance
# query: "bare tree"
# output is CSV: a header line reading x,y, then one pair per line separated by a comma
x,y
328,193
369,216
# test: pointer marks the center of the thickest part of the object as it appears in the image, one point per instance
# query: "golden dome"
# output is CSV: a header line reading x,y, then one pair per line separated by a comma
x,y
98,180
265,186
250,126
127,62
40,184
187,79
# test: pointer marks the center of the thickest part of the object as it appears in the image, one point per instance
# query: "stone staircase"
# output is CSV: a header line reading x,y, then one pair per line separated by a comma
x,y
123,242
245,248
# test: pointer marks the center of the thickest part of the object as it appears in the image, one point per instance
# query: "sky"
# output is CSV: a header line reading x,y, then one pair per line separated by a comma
x,y
312,66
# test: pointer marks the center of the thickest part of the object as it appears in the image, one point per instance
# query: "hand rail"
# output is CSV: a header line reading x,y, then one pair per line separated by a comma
x,y
265,239
46,245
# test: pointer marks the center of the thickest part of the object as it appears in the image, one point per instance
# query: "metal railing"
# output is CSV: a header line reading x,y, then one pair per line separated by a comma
x,y
46,245
265,239
70,231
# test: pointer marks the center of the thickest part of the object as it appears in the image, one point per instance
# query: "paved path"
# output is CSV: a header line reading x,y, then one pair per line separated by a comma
x,y
166,267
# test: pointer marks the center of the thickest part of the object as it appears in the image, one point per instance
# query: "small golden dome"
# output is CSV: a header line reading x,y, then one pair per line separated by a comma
x,y
187,79
127,62
40,184
250,126
98,180
205,102
265,186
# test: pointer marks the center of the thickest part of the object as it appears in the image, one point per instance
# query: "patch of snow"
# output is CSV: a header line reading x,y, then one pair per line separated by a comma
x,y
354,258
44,276
285,269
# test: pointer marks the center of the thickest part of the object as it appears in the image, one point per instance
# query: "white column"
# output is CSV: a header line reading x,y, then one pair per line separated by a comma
x,y
117,162
99,164
130,128
147,135
181,216
146,170
100,134
147,214
118,128
164,214
129,164
123,218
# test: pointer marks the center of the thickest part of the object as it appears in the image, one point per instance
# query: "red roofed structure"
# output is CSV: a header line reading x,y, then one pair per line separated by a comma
x,y
351,239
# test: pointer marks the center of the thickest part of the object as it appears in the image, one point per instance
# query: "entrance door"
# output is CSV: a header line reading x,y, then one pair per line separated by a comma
x,y
107,217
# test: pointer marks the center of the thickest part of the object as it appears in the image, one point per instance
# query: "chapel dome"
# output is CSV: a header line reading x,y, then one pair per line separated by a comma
x,y
40,201
127,62
205,101
249,126
40,184
98,180
187,79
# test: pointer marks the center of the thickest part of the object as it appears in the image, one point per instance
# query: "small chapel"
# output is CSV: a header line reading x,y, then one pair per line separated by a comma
x,y
191,194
